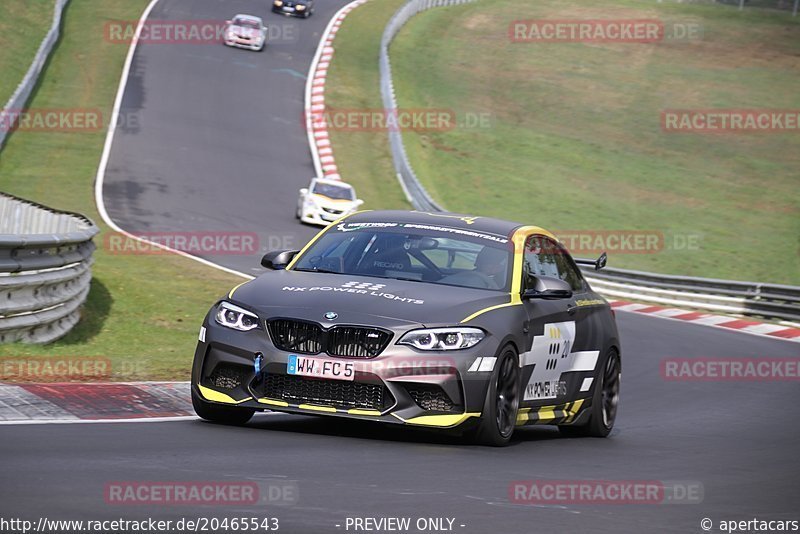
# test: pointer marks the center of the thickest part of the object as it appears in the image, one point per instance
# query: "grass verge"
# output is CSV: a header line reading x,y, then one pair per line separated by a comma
x,y
574,140
143,312
23,25
363,157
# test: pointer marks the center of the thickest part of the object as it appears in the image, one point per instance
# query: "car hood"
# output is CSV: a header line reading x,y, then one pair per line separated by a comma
x,y
245,31
362,300
327,202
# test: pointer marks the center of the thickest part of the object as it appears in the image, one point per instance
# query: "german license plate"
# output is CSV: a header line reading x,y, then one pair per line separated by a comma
x,y
320,368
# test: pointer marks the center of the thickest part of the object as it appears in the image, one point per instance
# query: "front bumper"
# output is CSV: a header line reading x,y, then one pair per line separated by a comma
x,y
248,45
320,217
284,10
400,386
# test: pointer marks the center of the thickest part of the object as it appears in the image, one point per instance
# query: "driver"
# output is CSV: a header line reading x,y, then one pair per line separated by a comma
x,y
492,263
489,273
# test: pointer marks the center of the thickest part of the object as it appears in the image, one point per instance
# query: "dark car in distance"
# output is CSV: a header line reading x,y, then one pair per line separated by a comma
x,y
296,8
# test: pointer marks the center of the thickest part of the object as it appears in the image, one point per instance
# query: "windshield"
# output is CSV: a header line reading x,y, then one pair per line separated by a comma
x,y
417,252
246,23
336,192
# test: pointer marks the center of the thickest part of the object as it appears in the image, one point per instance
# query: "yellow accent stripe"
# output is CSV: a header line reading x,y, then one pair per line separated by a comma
x,y
330,409
547,413
317,195
576,407
230,294
216,396
273,402
356,411
513,302
440,420
563,413
319,234
518,238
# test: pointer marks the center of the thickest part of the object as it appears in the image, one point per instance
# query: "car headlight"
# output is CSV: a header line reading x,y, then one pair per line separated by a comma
x,y
300,7
443,338
235,317
278,3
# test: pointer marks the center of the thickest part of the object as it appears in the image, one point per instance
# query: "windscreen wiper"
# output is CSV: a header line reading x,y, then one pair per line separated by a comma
x,y
317,270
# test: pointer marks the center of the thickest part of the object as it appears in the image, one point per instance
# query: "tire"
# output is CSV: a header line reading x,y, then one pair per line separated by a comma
x,y
299,211
502,402
220,414
604,401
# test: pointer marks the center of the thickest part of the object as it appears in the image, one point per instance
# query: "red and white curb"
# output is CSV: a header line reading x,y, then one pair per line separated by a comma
x,y
316,122
748,326
95,402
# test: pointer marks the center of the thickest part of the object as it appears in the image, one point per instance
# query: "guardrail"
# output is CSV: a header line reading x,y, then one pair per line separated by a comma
x,y
773,301
413,189
747,298
45,270
23,91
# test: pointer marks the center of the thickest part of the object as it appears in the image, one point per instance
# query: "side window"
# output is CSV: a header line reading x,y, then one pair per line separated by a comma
x,y
538,260
544,257
567,270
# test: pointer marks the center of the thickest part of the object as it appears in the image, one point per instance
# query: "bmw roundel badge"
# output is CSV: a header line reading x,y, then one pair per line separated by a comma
x,y
331,315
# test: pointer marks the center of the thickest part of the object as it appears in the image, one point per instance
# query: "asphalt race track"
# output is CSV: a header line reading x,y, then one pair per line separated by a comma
x,y
739,440
212,139
219,146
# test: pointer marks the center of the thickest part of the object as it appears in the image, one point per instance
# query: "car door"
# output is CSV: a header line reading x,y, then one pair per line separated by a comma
x,y
551,328
587,309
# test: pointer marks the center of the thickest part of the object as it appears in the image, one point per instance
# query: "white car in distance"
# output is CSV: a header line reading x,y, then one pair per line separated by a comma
x,y
246,31
325,201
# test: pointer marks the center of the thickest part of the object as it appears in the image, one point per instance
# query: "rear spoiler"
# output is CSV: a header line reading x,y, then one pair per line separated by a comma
x,y
598,264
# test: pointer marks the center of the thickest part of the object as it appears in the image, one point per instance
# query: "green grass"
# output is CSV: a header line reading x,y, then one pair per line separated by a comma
x,y
143,312
23,25
574,141
363,158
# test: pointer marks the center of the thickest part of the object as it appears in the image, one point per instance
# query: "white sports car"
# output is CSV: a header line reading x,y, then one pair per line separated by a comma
x,y
246,31
324,201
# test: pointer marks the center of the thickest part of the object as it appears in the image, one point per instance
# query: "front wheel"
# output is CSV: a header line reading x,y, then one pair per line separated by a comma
x,y
502,402
604,401
220,414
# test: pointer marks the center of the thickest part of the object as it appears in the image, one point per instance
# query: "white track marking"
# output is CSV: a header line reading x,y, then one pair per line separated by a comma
x,y
101,170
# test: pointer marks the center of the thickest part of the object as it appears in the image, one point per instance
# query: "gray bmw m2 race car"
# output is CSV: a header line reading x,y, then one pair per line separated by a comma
x,y
427,319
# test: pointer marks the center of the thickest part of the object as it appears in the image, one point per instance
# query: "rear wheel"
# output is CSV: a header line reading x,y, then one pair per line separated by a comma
x,y
220,414
604,401
502,402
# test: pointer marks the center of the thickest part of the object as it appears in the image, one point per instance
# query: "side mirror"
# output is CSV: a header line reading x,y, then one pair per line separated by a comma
x,y
278,259
228,22
304,191
548,288
359,202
